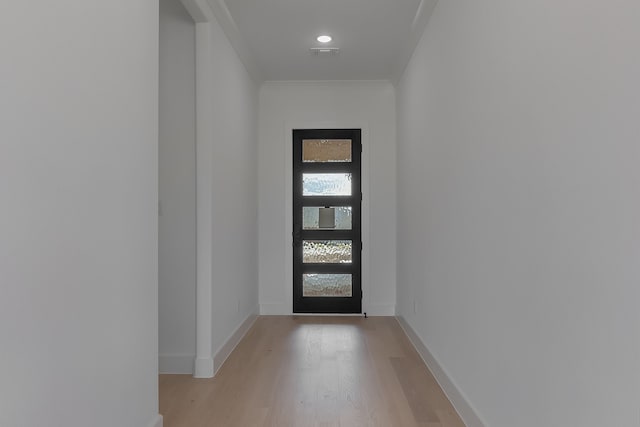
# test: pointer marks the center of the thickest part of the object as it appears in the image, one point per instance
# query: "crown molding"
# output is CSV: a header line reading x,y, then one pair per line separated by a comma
x,y
226,21
418,27
203,11
199,10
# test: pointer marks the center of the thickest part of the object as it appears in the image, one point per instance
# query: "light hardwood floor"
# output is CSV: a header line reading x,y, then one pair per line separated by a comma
x,y
313,371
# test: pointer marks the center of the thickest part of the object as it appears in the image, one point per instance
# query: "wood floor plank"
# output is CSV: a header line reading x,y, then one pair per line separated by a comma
x,y
313,371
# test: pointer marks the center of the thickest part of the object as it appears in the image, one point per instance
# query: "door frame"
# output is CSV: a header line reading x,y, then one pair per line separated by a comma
x,y
342,304
287,139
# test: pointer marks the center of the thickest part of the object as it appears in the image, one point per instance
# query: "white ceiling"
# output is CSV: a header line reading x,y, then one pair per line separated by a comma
x,y
273,37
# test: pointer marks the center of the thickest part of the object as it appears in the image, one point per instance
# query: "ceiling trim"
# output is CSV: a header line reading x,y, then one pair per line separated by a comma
x,y
418,26
199,10
223,17
227,14
203,11
379,82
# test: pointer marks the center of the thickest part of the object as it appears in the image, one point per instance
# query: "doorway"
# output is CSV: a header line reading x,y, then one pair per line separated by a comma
x,y
327,217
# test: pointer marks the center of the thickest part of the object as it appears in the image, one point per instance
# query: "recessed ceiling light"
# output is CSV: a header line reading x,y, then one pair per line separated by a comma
x,y
324,39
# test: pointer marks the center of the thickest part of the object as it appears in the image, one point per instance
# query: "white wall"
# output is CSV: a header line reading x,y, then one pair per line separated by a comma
x,y
177,187
78,223
234,187
519,215
367,105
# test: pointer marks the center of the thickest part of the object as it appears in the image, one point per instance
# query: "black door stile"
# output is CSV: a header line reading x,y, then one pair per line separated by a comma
x,y
327,304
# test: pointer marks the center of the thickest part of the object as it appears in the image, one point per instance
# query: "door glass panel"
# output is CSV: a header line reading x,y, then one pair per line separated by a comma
x,y
327,251
326,184
342,218
327,285
326,150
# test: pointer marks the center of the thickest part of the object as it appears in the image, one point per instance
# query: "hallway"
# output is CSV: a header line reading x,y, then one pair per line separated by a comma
x,y
313,371
147,187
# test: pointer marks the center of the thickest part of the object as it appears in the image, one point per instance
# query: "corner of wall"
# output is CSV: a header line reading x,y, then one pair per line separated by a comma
x,y
156,422
203,368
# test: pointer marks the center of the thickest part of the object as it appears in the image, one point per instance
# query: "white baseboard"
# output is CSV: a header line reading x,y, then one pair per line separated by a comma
x,y
468,414
156,422
380,310
176,363
275,309
221,355
203,368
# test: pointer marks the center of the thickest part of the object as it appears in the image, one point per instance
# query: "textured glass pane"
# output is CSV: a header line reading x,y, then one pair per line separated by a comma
x,y
326,184
327,251
311,217
326,150
327,285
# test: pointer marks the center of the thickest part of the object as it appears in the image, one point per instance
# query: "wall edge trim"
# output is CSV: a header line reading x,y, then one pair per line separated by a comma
x,y
203,368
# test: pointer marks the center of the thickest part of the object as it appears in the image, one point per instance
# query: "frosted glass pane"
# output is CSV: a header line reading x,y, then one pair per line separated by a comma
x,y
326,150
326,184
327,285
311,217
327,251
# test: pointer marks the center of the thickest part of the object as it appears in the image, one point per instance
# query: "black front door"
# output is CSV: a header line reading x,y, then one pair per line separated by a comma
x,y
327,203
